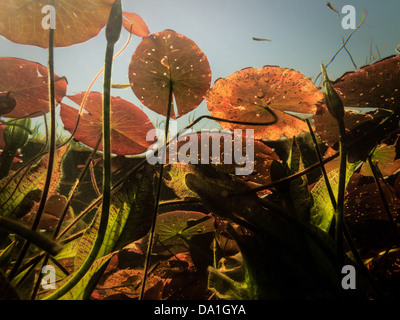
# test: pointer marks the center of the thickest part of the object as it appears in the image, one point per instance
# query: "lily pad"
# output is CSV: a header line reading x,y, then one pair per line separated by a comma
x,y
373,86
254,95
76,21
167,59
129,124
173,228
28,83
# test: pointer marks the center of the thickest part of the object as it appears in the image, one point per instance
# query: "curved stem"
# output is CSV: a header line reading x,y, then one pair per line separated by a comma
x,y
112,34
52,149
159,184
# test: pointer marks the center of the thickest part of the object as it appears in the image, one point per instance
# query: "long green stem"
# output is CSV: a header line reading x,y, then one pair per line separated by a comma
x,y
341,191
52,149
112,34
159,184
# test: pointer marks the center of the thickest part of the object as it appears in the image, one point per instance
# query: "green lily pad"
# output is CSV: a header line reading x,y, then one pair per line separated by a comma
x,y
175,228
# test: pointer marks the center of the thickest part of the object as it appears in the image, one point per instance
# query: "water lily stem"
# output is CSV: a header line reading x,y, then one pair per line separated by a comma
x,y
112,34
158,193
376,173
341,192
52,148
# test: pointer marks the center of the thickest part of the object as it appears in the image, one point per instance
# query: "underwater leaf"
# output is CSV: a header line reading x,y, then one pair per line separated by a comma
x,y
363,202
298,189
28,83
85,287
129,124
168,58
367,130
13,190
373,86
42,241
365,215
51,215
384,157
131,209
322,211
174,178
252,95
176,228
76,21
134,21
228,281
7,291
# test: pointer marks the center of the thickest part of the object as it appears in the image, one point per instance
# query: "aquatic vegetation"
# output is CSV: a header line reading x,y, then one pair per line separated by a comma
x,y
323,192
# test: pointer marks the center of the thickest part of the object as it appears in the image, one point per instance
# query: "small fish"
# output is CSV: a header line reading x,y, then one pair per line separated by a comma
x,y
261,39
121,86
330,6
398,49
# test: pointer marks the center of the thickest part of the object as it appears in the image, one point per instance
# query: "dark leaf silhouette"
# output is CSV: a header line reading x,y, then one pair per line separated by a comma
x,y
129,124
252,95
76,21
373,86
168,58
28,83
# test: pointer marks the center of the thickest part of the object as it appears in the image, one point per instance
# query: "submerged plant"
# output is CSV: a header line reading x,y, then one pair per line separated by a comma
x,y
94,207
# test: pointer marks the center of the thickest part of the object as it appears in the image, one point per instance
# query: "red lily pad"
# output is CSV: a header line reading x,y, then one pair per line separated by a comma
x,y
168,58
76,21
251,95
373,86
134,23
28,83
327,126
129,124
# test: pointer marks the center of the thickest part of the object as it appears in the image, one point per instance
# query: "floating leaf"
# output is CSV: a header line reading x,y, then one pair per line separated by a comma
x,y
174,178
365,215
76,21
130,217
327,126
129,124
373,86
135,24
168,58
252,95
367,129
363,202
28,83
322,211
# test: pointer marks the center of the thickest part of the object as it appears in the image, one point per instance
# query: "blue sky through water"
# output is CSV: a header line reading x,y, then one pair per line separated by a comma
x,y
303,33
